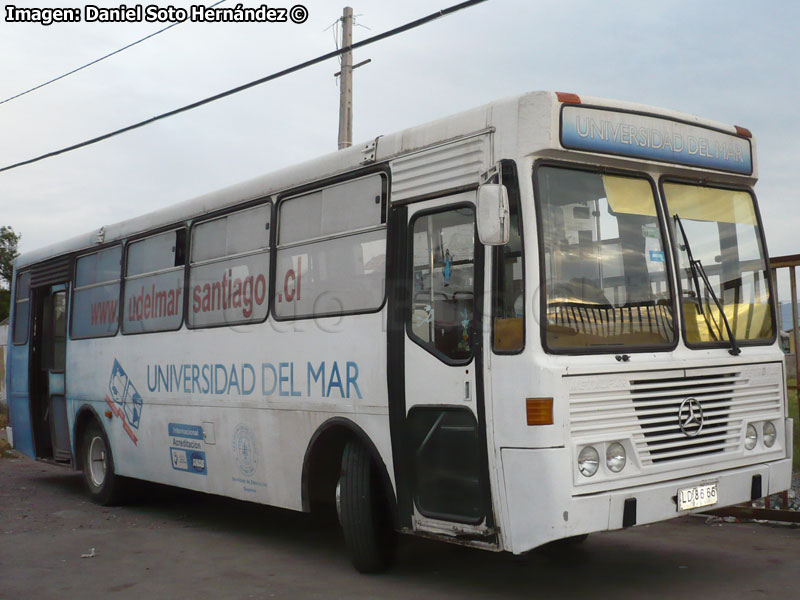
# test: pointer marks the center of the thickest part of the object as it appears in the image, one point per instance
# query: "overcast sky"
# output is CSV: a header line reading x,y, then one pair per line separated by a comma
x,y
732,61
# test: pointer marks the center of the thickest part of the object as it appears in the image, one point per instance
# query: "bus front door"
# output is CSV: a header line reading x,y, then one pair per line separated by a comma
x,y
48,374
443,423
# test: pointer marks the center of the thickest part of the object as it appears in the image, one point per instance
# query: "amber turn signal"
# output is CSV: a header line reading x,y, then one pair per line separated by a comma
x,y
108,414
568,98
539,411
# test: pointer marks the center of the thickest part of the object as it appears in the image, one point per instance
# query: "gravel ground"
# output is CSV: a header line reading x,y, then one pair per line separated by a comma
x,y
56,544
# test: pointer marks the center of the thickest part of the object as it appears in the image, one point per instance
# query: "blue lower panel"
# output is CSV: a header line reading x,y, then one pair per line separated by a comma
x,y
19,411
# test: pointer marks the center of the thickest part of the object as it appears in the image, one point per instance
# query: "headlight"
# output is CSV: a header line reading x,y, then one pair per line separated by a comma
x,y
751,437
588,461
770,434
615,457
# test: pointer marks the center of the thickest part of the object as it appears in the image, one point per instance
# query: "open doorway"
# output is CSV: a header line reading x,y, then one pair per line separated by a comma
x,y
48,374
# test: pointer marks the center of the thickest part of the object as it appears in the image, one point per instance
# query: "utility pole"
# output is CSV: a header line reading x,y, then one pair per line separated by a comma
x,y
346,83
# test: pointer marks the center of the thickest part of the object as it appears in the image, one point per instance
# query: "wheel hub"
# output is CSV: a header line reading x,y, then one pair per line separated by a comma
x,y
97,461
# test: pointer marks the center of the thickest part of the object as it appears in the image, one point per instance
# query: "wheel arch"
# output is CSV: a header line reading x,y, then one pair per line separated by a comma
x,y
323,459
85,415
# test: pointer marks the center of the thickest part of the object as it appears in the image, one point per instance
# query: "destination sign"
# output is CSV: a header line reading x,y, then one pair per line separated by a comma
x,y
654,138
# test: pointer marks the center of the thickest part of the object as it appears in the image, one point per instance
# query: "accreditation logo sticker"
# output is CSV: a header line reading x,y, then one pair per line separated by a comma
x,y
187,448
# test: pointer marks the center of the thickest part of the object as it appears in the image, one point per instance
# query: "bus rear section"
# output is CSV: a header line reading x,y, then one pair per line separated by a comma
x,y
37,363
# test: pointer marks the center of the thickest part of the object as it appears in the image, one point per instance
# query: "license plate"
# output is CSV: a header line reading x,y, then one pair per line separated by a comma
x,y
697,496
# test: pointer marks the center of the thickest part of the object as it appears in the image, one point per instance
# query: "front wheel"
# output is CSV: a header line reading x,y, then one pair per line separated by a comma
x,y
364,512
97,463
568,545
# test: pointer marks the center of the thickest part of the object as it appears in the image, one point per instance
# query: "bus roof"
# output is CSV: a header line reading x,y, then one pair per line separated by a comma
x,y
502,115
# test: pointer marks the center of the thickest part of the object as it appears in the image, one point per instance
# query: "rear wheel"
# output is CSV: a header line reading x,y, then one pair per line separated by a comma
x,y
364,512
97,463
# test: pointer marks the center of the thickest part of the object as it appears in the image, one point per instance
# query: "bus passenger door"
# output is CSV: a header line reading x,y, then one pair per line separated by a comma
x,y
442,433
48,374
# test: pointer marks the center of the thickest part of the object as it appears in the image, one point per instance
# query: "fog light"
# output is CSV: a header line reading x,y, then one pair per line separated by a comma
x,y
615,457
770,434
588,461
751,437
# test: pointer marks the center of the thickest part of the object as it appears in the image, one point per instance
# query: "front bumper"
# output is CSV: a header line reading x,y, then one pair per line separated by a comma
x,y
541,507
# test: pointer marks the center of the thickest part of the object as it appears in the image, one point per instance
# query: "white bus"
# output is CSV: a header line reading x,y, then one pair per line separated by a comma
x,y
541,318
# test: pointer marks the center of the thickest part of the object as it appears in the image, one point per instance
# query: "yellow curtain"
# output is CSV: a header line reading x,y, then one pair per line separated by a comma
x,y
629,196
634,197
695,203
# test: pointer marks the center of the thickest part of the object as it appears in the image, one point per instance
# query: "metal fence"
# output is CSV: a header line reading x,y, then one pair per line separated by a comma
x,y
790,262
792,362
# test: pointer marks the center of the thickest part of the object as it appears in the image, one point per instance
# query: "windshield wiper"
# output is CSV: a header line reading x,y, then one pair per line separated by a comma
x,y
697,267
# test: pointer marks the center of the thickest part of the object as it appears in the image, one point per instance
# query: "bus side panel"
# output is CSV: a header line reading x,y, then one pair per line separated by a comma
x,y
248,453
231,411
18,396
257,454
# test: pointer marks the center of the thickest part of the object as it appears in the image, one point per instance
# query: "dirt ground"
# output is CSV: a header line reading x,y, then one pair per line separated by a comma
x,y
54,543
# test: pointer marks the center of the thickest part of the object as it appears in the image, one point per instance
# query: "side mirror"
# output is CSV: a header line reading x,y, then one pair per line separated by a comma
x,y
493,214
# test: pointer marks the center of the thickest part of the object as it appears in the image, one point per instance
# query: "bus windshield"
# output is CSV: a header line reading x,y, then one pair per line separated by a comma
x,y
724,236
605,274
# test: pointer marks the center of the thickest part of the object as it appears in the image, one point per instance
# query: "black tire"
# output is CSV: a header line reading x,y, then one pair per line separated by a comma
x,y
565,545
575,540
364,512
97,463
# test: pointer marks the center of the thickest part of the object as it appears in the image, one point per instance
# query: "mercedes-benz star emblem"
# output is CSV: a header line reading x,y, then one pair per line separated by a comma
x,y
690,417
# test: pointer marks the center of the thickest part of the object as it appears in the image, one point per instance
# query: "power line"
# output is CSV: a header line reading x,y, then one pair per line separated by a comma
x,y
97,60
241,88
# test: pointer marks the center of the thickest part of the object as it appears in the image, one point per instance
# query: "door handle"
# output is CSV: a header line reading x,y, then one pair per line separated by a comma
x,y
475,337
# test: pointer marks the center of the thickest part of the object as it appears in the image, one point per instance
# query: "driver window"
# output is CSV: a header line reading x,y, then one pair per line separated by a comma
x,y
443,279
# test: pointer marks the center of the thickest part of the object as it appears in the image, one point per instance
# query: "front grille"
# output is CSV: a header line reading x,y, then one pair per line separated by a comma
x,y
644,408
657,404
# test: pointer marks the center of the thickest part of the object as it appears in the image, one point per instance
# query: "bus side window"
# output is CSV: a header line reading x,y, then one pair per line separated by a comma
x,y
229,269
331,254
154,284
22,308
95,298
442,303
508,284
